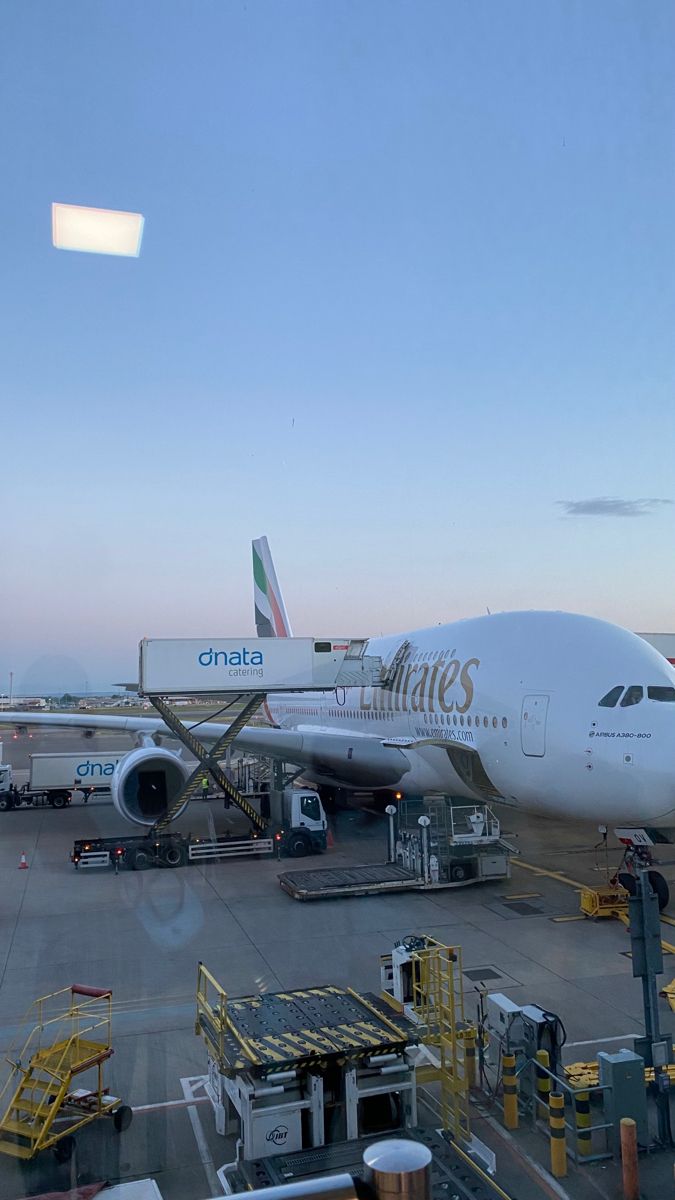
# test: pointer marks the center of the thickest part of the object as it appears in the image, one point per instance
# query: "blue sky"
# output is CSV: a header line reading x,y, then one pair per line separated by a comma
x,y
407,281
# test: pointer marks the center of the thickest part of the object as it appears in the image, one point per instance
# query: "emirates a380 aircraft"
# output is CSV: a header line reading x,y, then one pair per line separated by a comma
x,y
550,712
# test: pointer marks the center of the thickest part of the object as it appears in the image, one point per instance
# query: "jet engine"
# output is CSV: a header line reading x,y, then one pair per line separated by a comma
x,y
145,784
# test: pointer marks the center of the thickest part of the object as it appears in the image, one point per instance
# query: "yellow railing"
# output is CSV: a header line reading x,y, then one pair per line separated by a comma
x,y
438,1003
63,1030
212,1019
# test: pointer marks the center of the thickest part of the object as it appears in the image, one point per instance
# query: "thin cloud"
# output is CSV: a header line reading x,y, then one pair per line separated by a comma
x,y
611,506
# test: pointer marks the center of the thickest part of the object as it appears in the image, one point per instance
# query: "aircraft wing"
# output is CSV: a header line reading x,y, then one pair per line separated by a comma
x,y
340,756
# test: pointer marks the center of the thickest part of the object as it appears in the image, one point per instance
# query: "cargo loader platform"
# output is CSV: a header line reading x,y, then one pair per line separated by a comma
x,y
433,844
281,1031
327,882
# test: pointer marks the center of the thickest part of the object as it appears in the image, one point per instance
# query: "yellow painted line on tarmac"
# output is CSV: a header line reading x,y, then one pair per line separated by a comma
x,y
518,862
522,896
667,947
559,920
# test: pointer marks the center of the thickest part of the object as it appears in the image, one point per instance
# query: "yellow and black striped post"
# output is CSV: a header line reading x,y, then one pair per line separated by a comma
x,y
510,1085
582,1111
470,1055
556,1120
543,1083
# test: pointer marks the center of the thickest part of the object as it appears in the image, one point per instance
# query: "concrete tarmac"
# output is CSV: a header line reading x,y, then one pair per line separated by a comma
x,y
142,934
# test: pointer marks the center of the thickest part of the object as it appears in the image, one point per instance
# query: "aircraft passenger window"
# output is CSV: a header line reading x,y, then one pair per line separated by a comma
x,y
504,722
665,694
485,722
632,695
610,700
494,722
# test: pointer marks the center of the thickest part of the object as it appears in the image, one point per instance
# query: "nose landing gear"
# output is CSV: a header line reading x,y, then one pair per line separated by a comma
x,y
636,856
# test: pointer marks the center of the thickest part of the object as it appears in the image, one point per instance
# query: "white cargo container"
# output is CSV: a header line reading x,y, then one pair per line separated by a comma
x,y
194,666
54,772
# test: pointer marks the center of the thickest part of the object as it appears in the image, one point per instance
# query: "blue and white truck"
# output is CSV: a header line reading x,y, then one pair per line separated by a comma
x,y
54,779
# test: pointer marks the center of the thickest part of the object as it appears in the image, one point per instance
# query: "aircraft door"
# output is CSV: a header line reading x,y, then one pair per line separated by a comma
x,y
533,725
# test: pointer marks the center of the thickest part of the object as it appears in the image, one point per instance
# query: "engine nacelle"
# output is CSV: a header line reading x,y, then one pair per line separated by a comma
x,y
145,784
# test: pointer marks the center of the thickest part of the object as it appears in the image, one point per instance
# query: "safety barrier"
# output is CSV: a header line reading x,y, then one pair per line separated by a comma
x,y
584,1140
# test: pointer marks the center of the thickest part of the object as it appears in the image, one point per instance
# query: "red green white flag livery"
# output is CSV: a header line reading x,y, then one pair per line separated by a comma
x,y
271,619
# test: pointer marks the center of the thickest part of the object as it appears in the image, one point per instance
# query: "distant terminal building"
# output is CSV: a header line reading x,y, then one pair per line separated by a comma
x,y
23,703
663,642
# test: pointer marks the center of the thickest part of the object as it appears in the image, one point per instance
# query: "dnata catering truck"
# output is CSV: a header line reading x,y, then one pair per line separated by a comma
x,y
292,822
54,778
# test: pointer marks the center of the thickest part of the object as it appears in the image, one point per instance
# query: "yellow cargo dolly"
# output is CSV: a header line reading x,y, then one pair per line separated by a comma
x,y
70,1037
609,900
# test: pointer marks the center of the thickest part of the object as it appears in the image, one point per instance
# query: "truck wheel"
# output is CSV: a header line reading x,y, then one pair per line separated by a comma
x,y
459,873
174,856
141,859
59,800
122,1117
5,802
297,845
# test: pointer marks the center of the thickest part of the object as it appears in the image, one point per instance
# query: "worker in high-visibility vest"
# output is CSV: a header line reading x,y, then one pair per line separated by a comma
x,y
205,787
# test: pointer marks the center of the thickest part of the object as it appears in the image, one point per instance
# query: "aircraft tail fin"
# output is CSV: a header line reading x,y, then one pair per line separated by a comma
x,y
271,618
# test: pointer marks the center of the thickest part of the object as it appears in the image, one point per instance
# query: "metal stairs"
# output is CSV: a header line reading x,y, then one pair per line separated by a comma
x,y
39,1087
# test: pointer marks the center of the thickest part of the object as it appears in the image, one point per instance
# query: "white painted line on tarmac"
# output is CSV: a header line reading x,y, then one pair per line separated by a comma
x,y
622,1037
138,1108
188,1087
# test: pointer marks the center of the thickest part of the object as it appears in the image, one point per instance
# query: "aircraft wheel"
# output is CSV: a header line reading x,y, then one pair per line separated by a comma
x,y
64,1149
122,1118
660,887
628,882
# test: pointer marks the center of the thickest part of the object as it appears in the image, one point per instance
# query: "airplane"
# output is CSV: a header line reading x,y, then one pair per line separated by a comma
x,y
553,713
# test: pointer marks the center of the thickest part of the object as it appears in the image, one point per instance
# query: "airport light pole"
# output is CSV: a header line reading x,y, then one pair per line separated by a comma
x,y
647,958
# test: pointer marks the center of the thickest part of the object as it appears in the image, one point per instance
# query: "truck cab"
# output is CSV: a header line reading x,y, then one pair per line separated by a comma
x,y
5,786
300,820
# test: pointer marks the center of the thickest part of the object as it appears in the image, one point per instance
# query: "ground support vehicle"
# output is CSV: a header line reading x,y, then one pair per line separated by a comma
x,y
165,850
294,1070
433,844
69,1039
6,787
55,778
302,832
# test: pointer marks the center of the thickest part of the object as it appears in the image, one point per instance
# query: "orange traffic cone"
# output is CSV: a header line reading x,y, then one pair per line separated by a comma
x,y
23,865
330,840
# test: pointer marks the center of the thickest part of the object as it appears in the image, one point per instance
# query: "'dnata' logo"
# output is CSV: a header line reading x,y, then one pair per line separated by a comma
x,y
95,768
446,686
235,658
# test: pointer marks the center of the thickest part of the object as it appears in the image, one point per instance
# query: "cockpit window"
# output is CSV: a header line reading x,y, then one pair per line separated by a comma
x,y
611,698
632,695
665,694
